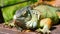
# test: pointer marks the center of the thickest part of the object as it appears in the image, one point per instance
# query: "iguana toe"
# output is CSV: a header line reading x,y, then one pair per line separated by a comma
x,y
44,31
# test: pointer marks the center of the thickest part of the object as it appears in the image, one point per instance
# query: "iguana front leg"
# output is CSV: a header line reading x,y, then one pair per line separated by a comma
x,y
46,24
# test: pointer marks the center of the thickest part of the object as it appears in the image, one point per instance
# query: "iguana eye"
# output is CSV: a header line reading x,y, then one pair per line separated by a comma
x,y
24,13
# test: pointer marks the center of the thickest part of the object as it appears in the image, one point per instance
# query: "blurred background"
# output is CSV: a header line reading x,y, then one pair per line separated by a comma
x,y
9,7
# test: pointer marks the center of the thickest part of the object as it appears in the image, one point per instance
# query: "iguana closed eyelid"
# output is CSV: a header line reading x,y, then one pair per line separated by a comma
x,y
24,13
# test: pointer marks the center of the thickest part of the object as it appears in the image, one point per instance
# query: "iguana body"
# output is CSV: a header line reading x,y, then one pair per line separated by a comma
x,y
48,12
46,15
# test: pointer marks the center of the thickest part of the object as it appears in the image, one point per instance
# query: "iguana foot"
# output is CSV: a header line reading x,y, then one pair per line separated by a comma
x,y
44,31
46,24
11,24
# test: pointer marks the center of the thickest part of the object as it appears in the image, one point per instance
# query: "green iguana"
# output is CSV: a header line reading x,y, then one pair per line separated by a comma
x,y
41,16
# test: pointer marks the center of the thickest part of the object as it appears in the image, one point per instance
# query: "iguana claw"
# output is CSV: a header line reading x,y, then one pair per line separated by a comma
x,y
12,24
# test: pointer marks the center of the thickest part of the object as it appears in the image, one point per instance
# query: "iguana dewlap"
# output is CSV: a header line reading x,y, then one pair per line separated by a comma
x,y
33,22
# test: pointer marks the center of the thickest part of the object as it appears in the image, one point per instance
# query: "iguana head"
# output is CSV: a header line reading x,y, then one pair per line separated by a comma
x,y
22,15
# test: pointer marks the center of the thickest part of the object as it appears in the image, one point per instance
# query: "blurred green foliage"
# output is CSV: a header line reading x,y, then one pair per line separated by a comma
x,y
8,2
9,11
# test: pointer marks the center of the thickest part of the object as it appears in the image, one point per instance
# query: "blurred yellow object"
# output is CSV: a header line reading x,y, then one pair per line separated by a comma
x,y
46,21
28,31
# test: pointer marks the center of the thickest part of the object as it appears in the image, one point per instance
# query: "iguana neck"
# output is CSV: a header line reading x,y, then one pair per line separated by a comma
x,y
34,17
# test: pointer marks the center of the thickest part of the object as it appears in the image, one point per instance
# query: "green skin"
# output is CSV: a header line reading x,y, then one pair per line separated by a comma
x,y
41,12
33,22
48,12
45,12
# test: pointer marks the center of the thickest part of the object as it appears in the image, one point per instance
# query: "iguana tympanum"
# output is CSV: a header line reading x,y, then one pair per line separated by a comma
x,y
40,16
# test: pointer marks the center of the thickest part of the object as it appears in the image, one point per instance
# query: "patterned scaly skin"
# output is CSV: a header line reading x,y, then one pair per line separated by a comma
x,y
33,22
47,18
46,14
